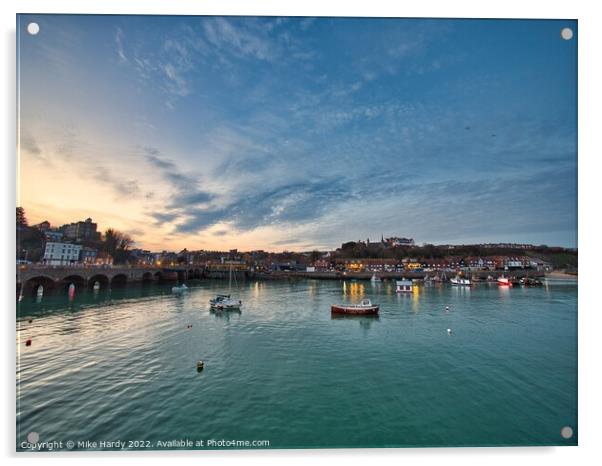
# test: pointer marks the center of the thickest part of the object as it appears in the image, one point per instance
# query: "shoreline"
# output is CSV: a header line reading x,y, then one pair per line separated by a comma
x,y
562,275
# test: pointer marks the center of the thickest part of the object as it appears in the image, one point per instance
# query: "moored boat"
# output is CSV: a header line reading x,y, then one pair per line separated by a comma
x,y
179,289
374,279
528,281
364,308
404,286
218,299
457,281
225,302
503,281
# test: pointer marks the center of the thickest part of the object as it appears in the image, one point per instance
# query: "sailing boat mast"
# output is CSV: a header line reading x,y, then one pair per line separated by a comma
x,y
230,280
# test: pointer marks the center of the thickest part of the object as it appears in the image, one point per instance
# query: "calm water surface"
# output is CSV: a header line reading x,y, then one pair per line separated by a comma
x,y
121,366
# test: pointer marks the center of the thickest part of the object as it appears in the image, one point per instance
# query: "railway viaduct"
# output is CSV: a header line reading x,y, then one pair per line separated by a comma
x,y
57,278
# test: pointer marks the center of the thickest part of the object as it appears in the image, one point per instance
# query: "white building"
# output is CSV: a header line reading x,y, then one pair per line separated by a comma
x,y
395,241
61,253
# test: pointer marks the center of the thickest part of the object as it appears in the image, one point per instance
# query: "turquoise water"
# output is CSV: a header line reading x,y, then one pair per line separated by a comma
x,y
121,366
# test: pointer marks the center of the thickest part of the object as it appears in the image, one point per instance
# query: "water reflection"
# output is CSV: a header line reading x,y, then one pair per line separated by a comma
x,y
51,302
225,314
354,289
365,321
258,288
504,292
415,299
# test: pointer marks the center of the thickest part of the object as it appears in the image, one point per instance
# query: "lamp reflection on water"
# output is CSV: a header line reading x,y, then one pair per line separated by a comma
x,y
258,288
354,289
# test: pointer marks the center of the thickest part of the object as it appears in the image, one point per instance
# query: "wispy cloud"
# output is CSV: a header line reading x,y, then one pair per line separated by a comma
x,y
29,145
127,187
208,44
119,45
237,41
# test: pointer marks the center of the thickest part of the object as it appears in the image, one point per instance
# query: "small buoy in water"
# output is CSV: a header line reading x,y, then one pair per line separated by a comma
x,y
189,326
30,321
449,331
28,342
446,308
200,365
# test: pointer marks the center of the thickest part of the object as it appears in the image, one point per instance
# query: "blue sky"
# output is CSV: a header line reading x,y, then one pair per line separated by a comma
x,y
300,133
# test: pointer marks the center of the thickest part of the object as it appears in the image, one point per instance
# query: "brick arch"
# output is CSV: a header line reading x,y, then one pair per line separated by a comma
x,y
77,280
102,280
119,279
31,285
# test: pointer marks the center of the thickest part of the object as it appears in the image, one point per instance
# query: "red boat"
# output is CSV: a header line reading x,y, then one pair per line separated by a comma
x,y
503,281
364,308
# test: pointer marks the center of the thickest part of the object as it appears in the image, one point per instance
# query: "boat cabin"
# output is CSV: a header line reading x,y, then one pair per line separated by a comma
x,y
404,286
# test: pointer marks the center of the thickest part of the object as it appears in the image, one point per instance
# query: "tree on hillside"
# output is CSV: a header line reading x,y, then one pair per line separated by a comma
x,y
314,256
117,244
21,219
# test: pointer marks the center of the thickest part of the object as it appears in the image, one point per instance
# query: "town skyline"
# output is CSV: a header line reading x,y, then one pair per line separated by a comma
x,y
96,233
299,133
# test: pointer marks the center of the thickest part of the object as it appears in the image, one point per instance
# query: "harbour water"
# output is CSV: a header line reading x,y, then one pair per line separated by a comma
x,y
121,366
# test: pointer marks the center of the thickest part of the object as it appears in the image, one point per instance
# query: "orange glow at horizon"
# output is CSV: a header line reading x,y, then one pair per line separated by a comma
x,y
62,195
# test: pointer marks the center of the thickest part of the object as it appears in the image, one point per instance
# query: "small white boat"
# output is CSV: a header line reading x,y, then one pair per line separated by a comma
x,y
404,286
218,299
457,281
179,289
225,302
374,278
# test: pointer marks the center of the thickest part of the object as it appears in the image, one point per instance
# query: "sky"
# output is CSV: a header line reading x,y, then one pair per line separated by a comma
x,y
299,133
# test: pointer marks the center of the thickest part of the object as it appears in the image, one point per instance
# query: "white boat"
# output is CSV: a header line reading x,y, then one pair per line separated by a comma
x,y
404,286
219,298
225,302
374,278
179,289
457,281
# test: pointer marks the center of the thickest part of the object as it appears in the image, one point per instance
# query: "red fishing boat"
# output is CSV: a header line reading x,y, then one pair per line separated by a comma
x,y
503,281
364,308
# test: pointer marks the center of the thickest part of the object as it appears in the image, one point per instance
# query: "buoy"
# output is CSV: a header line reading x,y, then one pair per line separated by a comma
x,y
30,321
449,331
446,308
200,365
28,342
189,326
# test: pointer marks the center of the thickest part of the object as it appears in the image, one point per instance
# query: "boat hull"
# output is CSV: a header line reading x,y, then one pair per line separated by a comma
x,y
460,282
350,310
